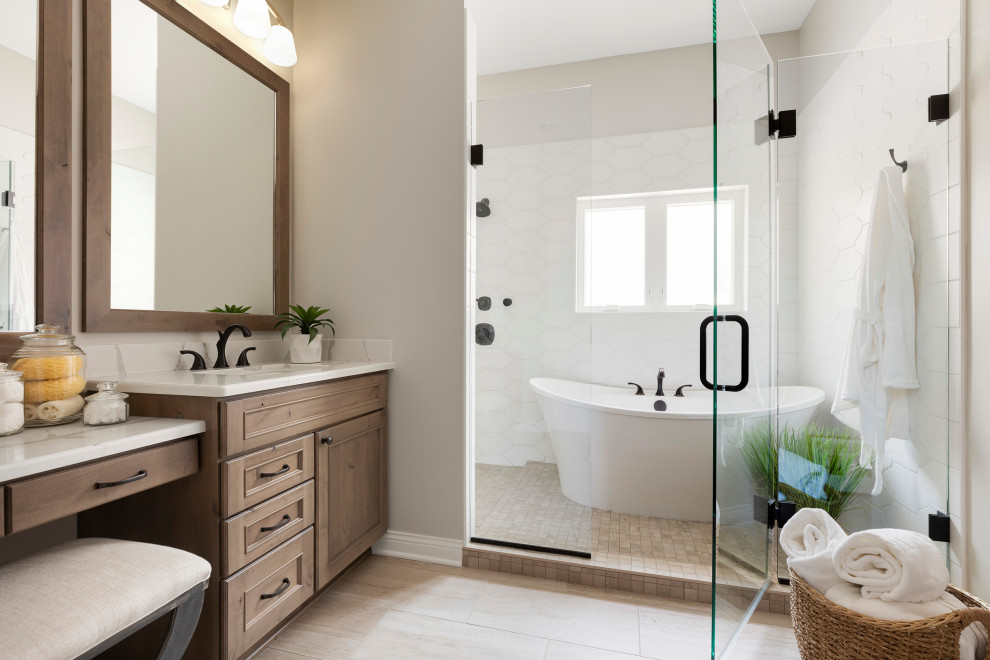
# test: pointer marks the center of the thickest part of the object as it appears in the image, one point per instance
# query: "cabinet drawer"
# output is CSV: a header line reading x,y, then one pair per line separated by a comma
x,y
35,501
254,478
262,595
261,420
256,531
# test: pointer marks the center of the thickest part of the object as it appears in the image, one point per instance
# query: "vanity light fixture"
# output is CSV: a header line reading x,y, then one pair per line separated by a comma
x,y
253,18
280,48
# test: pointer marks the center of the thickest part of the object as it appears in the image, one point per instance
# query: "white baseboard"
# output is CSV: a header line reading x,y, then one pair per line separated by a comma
x,y
433,549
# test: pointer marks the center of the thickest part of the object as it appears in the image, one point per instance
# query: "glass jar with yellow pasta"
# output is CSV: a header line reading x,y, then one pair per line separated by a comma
x,y
54,374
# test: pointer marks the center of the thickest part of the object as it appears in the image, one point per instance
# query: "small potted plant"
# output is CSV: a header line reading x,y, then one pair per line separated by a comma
x,y
304,348
230,309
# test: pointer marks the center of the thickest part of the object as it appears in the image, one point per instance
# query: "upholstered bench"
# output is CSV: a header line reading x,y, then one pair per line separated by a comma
x,y
80,598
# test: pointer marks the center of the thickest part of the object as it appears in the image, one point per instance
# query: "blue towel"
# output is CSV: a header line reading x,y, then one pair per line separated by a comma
x,y
800,473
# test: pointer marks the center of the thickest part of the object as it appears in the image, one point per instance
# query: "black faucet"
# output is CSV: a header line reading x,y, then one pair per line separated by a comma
x,y
198,364
680,390
639,388
221,362
660,376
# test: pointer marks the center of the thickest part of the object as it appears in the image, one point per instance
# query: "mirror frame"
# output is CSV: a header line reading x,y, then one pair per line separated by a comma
x,y
53,171
98,316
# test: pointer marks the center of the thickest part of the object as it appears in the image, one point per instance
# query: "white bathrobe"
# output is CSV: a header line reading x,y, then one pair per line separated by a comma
x,y
879,365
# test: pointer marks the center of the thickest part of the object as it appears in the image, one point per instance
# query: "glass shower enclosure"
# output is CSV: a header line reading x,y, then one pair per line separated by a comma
x,y
529,494
738,338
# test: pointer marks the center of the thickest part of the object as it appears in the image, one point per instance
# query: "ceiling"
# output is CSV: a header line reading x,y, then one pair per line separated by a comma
x,y
524,34
19,26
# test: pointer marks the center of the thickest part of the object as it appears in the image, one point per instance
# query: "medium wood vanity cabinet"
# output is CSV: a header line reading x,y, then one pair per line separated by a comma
x,y
297,491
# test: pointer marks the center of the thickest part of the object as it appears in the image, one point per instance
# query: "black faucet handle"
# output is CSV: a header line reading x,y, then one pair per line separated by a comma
x,y
639,388
242,359
198,364
680,390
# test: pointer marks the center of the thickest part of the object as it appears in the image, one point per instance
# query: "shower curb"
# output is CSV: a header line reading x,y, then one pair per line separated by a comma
x,y
520,562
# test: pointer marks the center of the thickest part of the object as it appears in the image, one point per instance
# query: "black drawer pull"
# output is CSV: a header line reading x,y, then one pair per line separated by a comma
x,y
328,440
265,475
286,519
110,484
279,591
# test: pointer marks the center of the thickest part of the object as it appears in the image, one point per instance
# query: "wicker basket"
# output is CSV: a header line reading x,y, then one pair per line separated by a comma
x,y
827,631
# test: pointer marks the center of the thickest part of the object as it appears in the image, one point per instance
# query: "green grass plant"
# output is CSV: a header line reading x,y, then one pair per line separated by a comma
x,y
835,449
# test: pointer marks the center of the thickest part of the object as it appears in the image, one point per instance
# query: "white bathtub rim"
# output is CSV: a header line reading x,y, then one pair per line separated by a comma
x,y
813,396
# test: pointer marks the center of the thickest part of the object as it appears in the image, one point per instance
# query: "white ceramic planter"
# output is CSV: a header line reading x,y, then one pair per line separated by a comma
x,y
304,351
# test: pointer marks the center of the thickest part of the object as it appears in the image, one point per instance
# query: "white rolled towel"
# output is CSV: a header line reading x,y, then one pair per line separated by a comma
x,y
972,641
55,410
809,539
892,564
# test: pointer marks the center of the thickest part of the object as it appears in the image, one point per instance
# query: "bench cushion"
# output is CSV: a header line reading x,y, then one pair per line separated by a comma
x,y
61,602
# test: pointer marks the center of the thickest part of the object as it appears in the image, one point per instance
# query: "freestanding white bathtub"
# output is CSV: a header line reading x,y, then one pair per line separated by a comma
x,y
616,452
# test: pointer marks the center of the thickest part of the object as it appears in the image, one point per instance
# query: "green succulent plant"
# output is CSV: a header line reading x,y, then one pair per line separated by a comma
x,y
307,319
231,309
837,450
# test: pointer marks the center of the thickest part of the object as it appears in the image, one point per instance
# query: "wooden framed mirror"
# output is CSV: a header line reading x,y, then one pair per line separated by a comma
x,y
186,196
35,143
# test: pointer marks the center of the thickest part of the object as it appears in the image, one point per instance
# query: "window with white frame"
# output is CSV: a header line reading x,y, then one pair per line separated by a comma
x,y
657,251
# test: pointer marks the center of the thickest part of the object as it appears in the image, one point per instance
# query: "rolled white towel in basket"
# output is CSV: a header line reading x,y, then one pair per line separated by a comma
x,y
809,539
892,564
972,641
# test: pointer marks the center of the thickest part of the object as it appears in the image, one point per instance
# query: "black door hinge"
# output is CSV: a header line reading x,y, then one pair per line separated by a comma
x,y
938,527
784,125
477,154
7,198
938,108
778,513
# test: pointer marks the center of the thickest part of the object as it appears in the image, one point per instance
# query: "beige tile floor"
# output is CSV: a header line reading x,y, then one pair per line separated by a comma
x,y
394,609
525,505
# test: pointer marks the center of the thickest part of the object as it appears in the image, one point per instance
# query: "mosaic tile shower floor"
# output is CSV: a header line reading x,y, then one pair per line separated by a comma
x,y
525,505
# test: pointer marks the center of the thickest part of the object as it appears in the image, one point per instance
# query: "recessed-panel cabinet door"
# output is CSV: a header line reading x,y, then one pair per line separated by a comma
x,y
351,491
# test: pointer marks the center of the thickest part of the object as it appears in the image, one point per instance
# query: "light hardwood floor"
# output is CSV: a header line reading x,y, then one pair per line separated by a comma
x,y
394,609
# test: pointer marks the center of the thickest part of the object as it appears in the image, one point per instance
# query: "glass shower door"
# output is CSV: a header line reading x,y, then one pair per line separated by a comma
x,y
7,202
737,357
531,345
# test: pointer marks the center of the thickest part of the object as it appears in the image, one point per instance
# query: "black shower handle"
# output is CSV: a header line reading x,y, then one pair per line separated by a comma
x,y
744,350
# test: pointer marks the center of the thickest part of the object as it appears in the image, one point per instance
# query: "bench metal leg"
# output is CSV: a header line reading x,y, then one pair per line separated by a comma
x,y
185,615
181,626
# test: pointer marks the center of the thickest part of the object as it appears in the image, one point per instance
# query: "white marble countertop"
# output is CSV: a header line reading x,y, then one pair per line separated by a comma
x,y
38,450
242,380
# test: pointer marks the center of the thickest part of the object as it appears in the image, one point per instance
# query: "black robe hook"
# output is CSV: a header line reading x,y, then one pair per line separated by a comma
x,y
901,164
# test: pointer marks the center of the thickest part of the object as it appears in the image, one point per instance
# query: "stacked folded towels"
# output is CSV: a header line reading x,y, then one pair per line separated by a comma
x,y
890,574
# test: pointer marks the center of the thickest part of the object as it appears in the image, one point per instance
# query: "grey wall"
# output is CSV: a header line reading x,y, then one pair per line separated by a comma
x,y
977,196
379,232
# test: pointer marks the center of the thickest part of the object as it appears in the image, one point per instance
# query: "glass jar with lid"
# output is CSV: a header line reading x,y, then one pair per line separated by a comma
x,y
107,406
54,373
11,401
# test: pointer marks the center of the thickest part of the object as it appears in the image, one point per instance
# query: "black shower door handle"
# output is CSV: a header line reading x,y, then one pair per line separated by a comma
x,y
744,350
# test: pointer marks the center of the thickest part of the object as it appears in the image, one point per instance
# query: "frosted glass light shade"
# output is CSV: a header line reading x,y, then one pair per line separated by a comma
x,y
280,48
251,18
